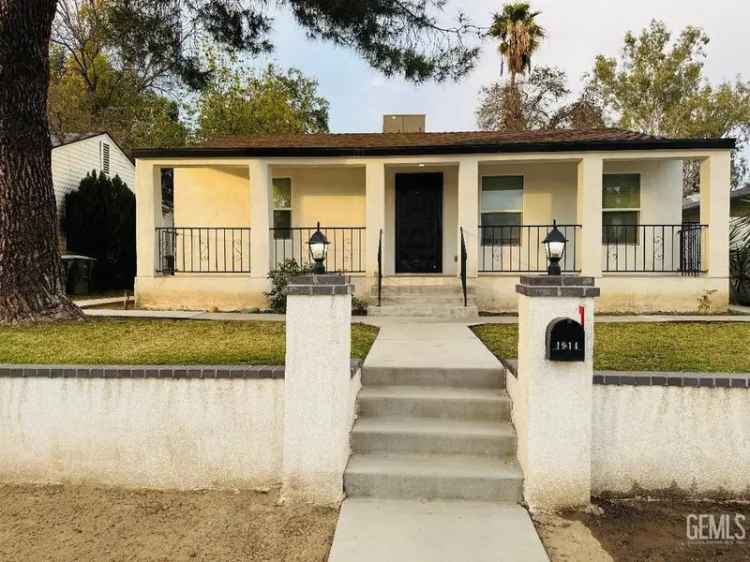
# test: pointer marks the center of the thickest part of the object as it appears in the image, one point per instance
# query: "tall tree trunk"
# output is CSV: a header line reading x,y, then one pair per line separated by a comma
x,y
32,286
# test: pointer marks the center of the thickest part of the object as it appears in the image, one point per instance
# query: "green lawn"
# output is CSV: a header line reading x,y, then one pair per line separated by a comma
x,y
678,346
157,342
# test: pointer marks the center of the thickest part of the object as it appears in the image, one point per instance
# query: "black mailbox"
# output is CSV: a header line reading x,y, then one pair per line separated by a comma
x,y
566,340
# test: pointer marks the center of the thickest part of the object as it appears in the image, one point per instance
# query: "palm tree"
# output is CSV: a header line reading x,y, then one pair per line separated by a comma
x,y
519,35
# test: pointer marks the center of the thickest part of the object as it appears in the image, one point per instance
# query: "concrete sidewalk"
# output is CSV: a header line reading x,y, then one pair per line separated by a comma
x,y
373,530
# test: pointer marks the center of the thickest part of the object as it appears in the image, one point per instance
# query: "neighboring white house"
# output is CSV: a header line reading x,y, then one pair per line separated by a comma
x,y
77,154
739,209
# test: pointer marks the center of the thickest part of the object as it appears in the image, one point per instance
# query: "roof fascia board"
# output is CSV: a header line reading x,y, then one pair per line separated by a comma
x,y
479,148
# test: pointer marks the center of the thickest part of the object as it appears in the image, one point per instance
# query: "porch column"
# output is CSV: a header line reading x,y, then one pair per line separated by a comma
x,y
589,213
260,218
714,211
468,213
374,213
148,216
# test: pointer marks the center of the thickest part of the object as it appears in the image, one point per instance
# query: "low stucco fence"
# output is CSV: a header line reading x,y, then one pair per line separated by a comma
x,y
188,427
176,427
671,434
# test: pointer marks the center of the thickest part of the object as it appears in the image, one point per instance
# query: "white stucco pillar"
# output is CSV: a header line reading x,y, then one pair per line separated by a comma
x,y
589,215
375,214
714,211
261,209
148,216
317,388
552,398
468,213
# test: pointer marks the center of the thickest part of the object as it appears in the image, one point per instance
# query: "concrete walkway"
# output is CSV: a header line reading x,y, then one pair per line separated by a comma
x,y
371,530
445,345
415,530
391,321
86,303
184,315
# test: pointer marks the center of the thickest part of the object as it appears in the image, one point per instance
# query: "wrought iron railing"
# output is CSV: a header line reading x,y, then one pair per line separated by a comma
x,y
464,259
201,249
380,267
346,251
520,249
654,248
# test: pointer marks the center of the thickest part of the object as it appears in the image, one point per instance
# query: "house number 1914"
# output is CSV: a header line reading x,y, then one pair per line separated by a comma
x,y
566,340
566,346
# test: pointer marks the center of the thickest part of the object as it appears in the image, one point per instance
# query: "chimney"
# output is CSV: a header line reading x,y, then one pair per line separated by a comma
x,y
414,123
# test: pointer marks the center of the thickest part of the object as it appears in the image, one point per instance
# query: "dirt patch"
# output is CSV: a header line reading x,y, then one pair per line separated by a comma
x,y
567,540
647,531
66,523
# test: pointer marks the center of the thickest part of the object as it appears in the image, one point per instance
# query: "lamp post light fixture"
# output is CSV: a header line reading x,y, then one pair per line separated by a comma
x,y
554,246
318,250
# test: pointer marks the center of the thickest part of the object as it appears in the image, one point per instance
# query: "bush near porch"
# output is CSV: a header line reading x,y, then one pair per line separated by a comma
x,y
676,346
157,342
99,221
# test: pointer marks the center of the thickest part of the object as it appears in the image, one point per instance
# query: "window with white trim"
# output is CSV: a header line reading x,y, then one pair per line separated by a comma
x,y
282,208
501,210
105,158
621,207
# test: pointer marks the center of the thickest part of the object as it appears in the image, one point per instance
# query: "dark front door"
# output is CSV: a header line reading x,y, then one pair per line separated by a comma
x,y
419,223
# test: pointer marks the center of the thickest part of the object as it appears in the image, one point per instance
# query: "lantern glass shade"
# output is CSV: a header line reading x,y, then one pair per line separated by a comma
x,y
318,250
555,249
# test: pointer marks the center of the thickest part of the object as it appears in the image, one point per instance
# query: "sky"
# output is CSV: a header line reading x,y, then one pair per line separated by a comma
x,y
577,30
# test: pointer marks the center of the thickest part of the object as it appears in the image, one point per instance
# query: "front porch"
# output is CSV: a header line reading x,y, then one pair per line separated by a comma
x,y
231,221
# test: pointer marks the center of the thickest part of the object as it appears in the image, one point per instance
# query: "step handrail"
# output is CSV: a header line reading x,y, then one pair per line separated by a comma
x,y
464,258
380,266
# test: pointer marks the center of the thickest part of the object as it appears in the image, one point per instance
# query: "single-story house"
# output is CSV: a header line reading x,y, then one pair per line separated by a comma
x,y
400,206
77,154
739,206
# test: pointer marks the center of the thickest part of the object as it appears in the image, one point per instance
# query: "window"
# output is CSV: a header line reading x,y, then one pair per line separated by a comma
x,y
621,203
105,158
502,210
282,208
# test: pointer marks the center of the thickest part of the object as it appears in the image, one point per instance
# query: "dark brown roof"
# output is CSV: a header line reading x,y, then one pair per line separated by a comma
x,y
69,138
383,144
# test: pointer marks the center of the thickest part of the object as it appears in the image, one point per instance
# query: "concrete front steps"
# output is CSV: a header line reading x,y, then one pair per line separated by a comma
x,y
433,297
433,434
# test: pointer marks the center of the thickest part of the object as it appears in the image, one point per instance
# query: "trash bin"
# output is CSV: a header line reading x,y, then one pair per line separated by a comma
x,y
78,273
